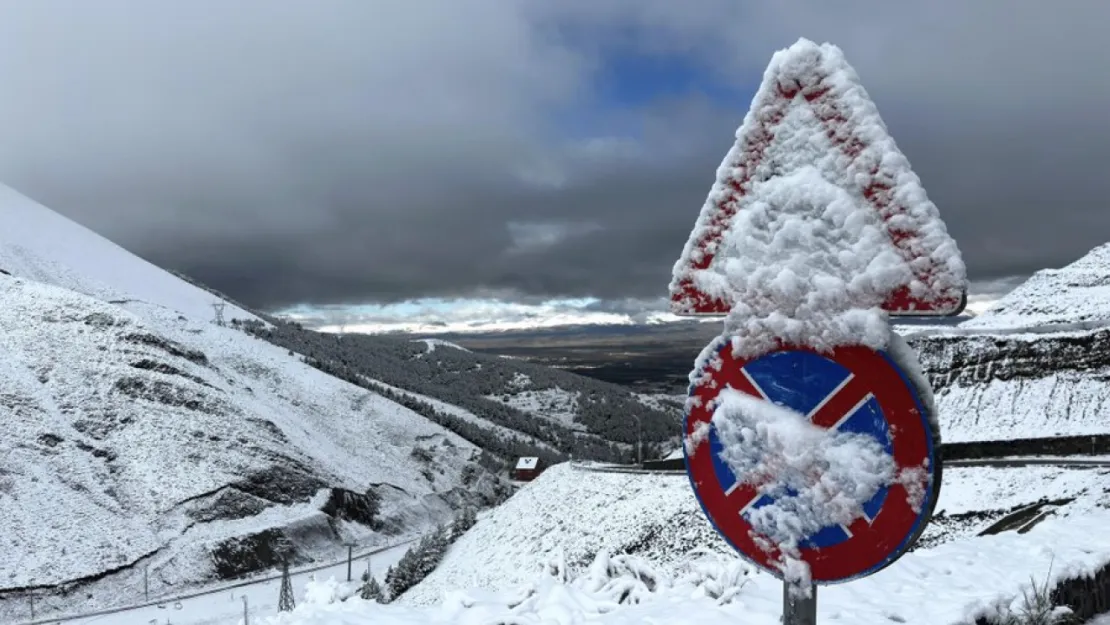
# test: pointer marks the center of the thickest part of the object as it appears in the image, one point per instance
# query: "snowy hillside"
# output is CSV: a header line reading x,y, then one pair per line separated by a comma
x,y
570,514
1034,365
955,583
193,449
1079,292
39,244
571,414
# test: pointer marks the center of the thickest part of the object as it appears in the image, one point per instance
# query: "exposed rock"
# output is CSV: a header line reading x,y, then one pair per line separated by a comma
x,y
50,440
228,504
271,428
169,394
966,360
170,347
102,320
147,364
284,483
351,506
235,557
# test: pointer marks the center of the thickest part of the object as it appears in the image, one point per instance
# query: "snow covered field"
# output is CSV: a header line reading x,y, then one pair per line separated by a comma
x,y
1076,293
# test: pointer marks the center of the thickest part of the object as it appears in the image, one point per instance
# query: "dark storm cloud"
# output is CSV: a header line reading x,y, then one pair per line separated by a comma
x,y
292,152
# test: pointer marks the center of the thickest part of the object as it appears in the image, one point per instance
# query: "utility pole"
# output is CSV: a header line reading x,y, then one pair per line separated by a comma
x,y
350,553
146,583
246,617
32,597
219,308
639,440
285,596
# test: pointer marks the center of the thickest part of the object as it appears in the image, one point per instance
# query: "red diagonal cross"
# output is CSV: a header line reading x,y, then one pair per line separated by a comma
x,y
840,404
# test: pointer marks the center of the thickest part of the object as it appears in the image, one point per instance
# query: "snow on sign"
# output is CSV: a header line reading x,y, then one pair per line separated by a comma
x,y
811,112
817,467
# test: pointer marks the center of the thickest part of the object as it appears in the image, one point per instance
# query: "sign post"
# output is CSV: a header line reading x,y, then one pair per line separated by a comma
x,y
814,166
798,606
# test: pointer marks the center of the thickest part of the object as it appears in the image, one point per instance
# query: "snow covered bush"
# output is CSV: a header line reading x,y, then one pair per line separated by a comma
x,y
328,591
1035,607
714,576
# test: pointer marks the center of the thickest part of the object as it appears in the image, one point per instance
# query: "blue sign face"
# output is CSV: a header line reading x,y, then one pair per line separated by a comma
x,y
803,381
855,389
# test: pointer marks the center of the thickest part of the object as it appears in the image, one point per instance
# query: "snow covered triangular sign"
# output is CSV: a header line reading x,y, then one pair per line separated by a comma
x,y
812,115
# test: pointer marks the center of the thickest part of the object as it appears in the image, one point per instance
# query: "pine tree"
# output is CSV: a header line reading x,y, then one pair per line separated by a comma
x,y
466,520
285,598
371,590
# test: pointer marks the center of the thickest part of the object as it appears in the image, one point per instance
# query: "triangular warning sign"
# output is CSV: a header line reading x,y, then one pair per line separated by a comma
x,y
812,112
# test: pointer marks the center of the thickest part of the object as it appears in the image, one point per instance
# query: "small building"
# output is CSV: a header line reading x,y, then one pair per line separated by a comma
x,y
526,469
675,461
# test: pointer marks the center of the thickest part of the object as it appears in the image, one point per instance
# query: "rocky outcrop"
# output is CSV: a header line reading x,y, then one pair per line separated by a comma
x,y
1004,386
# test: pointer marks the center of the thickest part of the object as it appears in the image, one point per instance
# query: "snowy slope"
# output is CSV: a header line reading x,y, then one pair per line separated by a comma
x,y
160,436
555,404
463,414
39,244
573,514
955,583
434,343
1079,292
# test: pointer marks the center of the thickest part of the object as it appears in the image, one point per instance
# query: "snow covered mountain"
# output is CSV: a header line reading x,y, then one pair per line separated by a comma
x,y
1076,293
136,433
193,449
38,244
1034,365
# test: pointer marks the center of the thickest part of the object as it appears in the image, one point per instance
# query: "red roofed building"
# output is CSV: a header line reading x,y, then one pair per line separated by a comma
x,y
526,469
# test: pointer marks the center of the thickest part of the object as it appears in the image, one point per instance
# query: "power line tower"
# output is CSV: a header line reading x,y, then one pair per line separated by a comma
x,y
285,598
219,308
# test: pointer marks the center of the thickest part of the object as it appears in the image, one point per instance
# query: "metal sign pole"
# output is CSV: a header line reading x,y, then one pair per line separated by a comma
x,y
797,607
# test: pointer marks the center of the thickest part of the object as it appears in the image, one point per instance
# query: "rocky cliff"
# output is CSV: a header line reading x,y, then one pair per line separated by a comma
x,y
1035,365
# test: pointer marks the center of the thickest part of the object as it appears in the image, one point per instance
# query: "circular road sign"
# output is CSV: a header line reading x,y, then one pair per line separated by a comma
x,y
852,389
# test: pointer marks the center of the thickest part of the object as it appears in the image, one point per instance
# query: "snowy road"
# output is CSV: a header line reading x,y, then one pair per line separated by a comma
x,y
225,606
1059,461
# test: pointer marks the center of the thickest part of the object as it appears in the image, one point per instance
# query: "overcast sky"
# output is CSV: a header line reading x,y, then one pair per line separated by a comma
x,y
331,152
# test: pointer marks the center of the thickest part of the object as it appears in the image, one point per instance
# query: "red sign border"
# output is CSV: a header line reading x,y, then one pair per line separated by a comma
x,y
827,565
879,194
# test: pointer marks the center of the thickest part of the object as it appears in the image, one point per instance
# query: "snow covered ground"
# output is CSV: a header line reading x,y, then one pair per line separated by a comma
x,y
434,343
571,514
464,414
952,583
554,404
526,565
